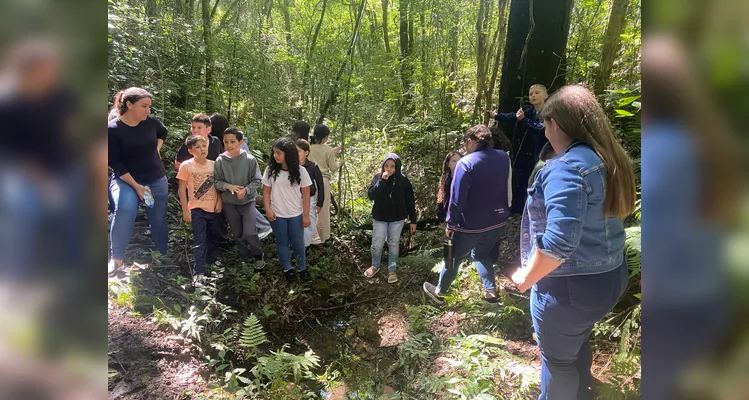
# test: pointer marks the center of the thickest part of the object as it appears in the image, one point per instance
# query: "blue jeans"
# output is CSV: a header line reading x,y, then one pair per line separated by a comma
x,y
479,246
392,232
206,236
126,203
290,231
564,310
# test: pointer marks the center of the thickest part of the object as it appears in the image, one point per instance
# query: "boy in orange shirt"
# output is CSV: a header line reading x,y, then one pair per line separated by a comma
x,y
203,209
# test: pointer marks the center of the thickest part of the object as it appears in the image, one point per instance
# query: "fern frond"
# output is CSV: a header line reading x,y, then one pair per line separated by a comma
x,y
253,334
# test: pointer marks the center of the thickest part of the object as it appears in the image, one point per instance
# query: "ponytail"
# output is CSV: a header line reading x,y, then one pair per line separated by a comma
x,y
120,100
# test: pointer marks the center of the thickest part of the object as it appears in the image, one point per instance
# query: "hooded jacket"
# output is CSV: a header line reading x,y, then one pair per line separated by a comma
x,y
243,171
393,197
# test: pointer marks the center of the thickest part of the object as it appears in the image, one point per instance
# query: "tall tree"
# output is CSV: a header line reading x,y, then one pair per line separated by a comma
x,y
349,58
482,20
501,32
611,43
207,14
534,51
406,68
385,4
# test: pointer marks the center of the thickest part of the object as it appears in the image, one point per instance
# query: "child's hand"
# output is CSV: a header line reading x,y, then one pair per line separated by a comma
x,y
186,215
520,114
337,149
385,175
412,228
318,209
233,188
219,207
305,221
241,193
270,215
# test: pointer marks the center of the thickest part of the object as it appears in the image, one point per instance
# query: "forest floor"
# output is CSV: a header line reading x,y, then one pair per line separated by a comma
x,y
360,328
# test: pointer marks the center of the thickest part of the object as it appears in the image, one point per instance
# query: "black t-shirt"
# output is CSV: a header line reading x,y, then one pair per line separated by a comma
x,y
37,130
132,149
215,148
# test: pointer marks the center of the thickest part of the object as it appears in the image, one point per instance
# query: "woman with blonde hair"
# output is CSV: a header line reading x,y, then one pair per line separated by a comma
x,y
572,238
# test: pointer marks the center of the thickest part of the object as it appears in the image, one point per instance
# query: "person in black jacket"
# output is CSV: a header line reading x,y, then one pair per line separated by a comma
x,y
393,198
316,192
443,194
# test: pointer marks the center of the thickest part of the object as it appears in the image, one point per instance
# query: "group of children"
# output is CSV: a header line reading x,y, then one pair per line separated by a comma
x,y
217,182
295,190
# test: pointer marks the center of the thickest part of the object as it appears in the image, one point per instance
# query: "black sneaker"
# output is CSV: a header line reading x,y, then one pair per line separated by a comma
x,y
490,296
431,292
258,262
290,275
304,275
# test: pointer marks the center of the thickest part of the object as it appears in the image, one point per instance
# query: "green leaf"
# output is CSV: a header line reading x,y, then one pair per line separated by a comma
x,y
453,381
221,367
623,113
626,100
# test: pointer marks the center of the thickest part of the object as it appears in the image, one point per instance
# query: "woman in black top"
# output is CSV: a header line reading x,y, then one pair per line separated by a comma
x,y
135,140
316,192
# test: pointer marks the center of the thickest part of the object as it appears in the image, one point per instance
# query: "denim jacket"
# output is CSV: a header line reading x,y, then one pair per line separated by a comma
x,y
564,219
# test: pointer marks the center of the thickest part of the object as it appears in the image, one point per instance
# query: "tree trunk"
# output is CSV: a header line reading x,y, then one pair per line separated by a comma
x,y
406,69
190,10
542,58
611,44
305,74
385,4
349,56
481,51
502,27
208,54
287,23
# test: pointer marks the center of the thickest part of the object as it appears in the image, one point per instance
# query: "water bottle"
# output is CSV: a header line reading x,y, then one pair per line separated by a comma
x,y
148,198
447,253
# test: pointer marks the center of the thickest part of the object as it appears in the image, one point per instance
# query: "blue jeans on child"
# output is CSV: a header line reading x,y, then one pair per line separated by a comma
x,y
479,246
126,204
392,232
290,231
564,310
206,236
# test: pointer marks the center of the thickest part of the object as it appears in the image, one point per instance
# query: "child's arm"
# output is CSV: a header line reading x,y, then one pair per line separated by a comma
x,y
320,186
269,214
376,187
536,126
256,180
505,117
183,201
219,204
219,181
305,206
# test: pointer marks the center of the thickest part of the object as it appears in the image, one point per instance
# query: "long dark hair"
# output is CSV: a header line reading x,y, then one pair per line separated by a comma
x,y
321,132
219,123
292,160
131,94
446,175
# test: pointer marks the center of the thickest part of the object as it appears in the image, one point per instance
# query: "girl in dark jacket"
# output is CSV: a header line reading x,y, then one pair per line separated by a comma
x,y
393,198
443,195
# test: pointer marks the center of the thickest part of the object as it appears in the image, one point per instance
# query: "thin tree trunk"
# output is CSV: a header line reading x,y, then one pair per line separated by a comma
x,y
305,74
406,71
287,23
502,27
334,90
208,55
385,4
611,44
481,20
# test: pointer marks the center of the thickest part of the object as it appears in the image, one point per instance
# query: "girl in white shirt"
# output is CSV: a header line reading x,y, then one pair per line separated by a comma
x,y
286,188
